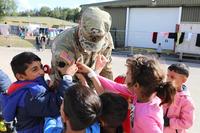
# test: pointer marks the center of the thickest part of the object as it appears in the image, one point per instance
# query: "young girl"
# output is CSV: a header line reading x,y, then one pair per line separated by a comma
x,y
144,85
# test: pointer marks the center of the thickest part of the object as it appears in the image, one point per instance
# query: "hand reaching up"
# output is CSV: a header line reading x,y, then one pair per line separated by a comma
x,y
82,79
68,70
101,61
82,68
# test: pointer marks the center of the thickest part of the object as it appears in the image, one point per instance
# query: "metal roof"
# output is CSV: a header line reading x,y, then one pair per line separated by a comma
x,y
147,3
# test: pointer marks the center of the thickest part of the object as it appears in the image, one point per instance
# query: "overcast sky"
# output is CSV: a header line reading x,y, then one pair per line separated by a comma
x,y
37,4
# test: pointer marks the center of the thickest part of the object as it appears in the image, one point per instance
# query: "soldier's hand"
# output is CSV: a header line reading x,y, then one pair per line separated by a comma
x,y
68,70
101,61
82,68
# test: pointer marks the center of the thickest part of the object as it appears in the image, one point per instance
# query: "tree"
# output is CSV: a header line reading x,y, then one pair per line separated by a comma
x,y
8,7
1,9
45,11
56,13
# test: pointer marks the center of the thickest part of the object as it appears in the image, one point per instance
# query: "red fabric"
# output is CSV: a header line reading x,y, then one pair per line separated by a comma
x,y
15,86
47,69
126,124
154,37
120,79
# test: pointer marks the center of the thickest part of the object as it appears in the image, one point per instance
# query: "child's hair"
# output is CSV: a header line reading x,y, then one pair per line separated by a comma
x,y
21,61
180,68
115,108
148,73
82,106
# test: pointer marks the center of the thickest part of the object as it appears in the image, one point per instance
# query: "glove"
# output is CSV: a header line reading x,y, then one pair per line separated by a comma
x,y
166,121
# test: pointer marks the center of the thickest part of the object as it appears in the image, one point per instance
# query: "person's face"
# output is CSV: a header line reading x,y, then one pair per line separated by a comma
x,y
128,79
33,71
176,79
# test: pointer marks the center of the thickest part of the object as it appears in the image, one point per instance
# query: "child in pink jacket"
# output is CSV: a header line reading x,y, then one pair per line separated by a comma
x,y
145,86
179,116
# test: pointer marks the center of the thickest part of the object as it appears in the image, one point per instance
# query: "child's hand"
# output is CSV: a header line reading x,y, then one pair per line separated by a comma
x,y
101,61
82,79
82,68
68,70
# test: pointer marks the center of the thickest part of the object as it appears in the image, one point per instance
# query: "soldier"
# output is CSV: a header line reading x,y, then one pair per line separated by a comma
x,y
90,38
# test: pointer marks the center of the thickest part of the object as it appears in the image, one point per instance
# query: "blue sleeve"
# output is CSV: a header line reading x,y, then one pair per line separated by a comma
x,y
53,125
5,81
46,103
41,102
65,83
94,128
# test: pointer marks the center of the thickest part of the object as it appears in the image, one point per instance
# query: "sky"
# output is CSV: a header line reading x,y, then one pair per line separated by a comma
x,y
37,4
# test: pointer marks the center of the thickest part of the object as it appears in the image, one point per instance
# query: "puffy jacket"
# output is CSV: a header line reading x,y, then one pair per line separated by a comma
x,y
30,102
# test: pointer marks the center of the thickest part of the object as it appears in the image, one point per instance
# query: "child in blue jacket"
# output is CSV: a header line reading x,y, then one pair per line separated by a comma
x,y
80,108
5,82
28,99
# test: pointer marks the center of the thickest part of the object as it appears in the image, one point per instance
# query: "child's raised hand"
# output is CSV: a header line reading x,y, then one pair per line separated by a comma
x,y
82,68
101,61
68,70
81,79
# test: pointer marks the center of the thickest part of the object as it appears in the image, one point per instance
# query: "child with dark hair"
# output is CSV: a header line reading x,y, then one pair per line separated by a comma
x,y
179,116
145,87
114,112
28,99
80,108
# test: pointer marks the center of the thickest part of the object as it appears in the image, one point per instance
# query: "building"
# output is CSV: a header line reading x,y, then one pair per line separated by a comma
x,y
134,21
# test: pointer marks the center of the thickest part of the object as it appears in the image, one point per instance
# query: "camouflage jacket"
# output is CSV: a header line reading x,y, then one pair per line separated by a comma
x,y
68,41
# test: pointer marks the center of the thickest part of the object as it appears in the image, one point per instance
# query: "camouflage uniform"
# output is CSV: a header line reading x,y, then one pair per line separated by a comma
x,y
90,38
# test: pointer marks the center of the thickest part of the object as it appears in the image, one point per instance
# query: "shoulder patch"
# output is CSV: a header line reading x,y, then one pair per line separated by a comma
x,y
66,57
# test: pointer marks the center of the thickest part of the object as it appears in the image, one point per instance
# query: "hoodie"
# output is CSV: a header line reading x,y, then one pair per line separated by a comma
x,y
29,102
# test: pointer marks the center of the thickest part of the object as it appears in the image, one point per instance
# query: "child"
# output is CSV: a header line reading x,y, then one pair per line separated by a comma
x,y
109,114
159,50
28,99
5,82
80,108
179,116
145,83
113,113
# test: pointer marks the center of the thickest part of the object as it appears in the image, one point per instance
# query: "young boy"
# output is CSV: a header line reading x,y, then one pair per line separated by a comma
x,y
80,108
113,113
179,116
28,99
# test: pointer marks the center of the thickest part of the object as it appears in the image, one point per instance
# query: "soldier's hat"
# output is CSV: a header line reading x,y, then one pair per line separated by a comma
x,y
94,26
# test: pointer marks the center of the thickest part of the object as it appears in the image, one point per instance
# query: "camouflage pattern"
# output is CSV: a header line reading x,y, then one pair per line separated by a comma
x,y
95,24
68,41
90,38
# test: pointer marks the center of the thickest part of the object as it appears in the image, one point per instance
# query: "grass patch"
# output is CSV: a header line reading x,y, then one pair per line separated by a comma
x,y
15,41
